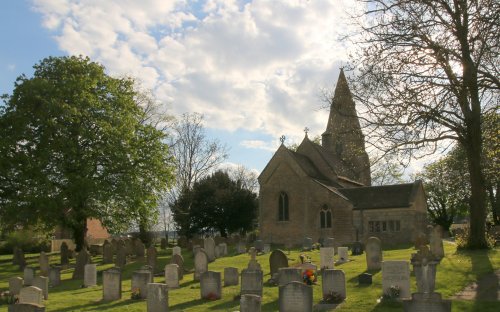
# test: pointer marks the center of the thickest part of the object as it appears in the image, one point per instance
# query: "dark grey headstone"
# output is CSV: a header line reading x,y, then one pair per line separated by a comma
x,y
231,276
64,254
82,259
357,249
365,279
277,260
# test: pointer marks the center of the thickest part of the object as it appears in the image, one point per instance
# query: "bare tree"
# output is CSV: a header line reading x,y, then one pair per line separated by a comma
x,y
427,73
246,177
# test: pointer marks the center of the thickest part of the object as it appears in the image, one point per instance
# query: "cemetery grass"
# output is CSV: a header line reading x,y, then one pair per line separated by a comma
x,y
455,272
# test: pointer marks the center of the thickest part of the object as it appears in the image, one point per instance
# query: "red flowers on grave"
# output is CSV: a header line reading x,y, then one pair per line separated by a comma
x,y
309,277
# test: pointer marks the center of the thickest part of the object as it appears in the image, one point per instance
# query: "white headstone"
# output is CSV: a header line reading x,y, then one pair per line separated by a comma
x,y
396,273
112,284
343,254
31,295
172,275
176,250
90,275
326,255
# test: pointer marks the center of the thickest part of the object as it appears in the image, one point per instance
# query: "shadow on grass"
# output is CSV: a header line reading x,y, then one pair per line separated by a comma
x,y
270,306
186,305
387,306
94,306
226,306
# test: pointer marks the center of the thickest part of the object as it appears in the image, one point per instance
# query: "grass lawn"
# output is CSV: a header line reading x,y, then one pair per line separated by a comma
x,y
455,272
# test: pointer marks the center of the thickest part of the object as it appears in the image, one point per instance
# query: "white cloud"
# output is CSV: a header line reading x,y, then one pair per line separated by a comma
x,y
256,65
259,144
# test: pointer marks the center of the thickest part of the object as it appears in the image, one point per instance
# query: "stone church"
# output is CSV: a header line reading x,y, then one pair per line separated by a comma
x,y
321,191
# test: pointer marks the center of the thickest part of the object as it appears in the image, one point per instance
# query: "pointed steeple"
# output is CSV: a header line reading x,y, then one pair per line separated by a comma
x,y
343,136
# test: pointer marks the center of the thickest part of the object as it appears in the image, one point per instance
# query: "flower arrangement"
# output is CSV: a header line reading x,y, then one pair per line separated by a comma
x,y
332,297
8,298
304,258
393,293
309,277
212,296
135,294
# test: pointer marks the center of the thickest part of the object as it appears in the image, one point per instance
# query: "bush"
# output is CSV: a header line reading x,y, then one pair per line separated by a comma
x,y
462,237
27,240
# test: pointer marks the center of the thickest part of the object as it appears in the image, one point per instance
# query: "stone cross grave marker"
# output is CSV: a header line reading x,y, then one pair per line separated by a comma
x,y
396,273
295,297
231,276
326,257
210,285
172,275
373,254
157,300
112,284
333,281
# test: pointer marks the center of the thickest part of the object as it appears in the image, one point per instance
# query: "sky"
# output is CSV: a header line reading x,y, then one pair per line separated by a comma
x,y
255,69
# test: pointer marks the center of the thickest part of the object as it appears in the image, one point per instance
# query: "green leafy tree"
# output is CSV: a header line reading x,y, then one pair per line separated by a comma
x,y
74,145
427,73
215,203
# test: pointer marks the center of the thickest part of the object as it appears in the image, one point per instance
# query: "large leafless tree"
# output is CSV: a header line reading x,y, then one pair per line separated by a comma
x,y
427,72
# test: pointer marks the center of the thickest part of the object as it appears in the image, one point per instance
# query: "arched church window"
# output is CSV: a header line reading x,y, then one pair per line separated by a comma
x,y
283,207
325,217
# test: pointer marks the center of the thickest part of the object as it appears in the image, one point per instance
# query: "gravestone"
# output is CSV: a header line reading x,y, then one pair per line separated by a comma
x,y
163,243
55,276
157,300
436,242
196,248
176,250
253,264
15,255
223,249
267,248
140,281
241,248
329,242
121,255
357,249
64,254
31,295
277,260
250,303
424,266
333,281
287,275
90,275
251,282
42,282
29,275
373,254
343,254
15,285
259,245
307,243
210,285
217,252
326,257
172,275
295,297
130,247
365,279
139,249
107,253
114,244
179,260
431,302
200,264
95,249
43,261
82,259
209,246
112,284
231,276
396,273
151,255
149,269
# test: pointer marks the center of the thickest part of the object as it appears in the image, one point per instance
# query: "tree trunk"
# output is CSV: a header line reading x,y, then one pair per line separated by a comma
x,y
79,234
495,203
477,236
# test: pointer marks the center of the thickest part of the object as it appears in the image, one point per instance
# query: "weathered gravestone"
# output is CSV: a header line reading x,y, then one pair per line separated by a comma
x,y
196,248
251,282
396,273
295,297
140,281
209,246
31,295
210,285
365,279
151,255
436,242
172,275
287,275
277,260
231,276
373,254
200,264
29,275
223,249
431,302
90,275
253,264
112,284
15,285
267,248
343,254
259,245
157,300
176,250
307,243
241,248
42,282
55,276
163,243
179,260
64,254
217,252
357,249
250,303
107,253
326,257
43,261
329,242
82,259
121,255
150,270
333,281
424,265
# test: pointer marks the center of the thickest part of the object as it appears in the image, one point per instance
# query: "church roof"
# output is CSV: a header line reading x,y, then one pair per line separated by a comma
x,y
386,196
307,165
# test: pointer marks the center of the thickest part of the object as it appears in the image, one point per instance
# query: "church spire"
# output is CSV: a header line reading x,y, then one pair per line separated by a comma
x,y
343,136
